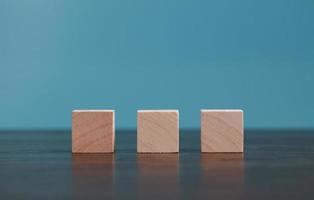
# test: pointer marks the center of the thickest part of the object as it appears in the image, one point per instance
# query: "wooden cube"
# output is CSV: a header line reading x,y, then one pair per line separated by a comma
x,y
158,131
221,130
93,131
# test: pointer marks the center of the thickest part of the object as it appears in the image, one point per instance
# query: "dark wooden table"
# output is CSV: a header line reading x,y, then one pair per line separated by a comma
x,y
39,165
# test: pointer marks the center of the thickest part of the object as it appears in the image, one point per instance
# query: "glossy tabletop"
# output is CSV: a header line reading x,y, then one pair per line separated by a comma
x,y
39,165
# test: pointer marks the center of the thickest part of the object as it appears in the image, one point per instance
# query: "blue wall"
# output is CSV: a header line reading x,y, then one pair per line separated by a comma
x,y
59,55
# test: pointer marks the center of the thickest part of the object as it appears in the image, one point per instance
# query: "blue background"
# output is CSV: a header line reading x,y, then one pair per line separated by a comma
x,y
59,55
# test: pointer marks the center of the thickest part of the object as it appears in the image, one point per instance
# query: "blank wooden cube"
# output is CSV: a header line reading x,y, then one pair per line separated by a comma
x,y
93,131
221,130
157,131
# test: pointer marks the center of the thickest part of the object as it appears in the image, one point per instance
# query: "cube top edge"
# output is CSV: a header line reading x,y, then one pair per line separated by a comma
x,y
147,111
221,110
93,110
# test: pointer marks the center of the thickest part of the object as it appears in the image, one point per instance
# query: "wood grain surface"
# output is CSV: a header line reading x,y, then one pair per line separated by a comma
x,y
38,164
93,131
158,131
221,130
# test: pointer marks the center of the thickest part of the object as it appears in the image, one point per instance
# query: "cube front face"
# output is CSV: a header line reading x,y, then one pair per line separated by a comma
x,y
222,131
158,131
93,131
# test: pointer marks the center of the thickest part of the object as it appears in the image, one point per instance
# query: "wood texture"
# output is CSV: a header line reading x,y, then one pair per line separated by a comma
x,y
158,131
93,131
37,164
222,131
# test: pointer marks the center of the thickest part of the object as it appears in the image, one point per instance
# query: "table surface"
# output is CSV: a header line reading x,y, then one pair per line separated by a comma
x,y
277,164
